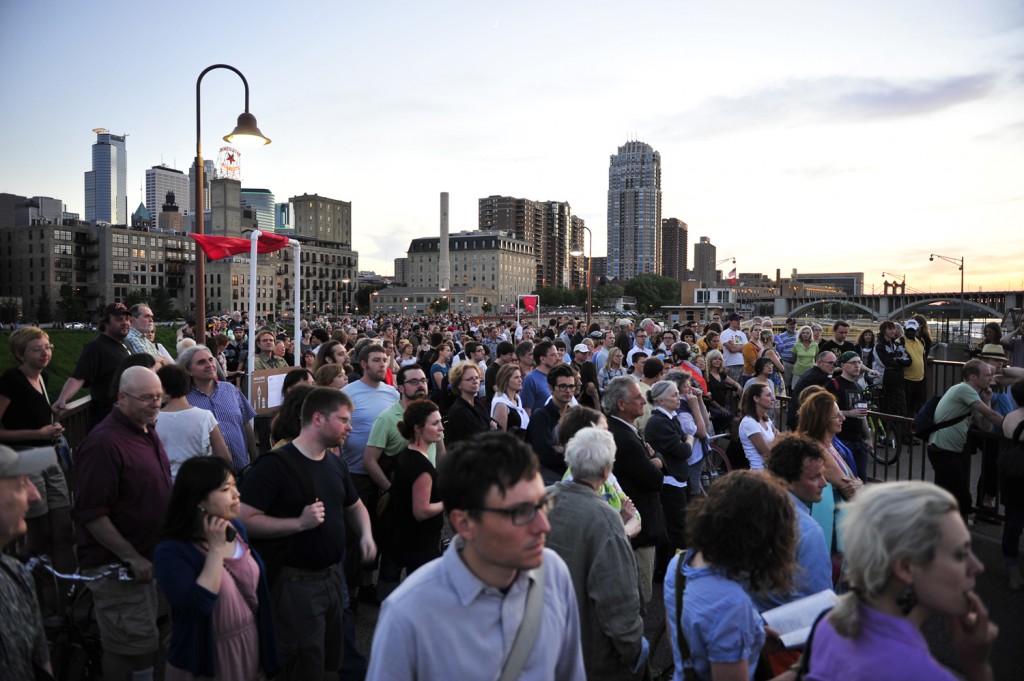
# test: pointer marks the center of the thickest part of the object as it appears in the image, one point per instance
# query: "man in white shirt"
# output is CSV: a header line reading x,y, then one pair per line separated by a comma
x,y
733,341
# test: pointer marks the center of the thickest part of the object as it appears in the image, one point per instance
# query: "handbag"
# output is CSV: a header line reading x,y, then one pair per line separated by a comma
x,y
1011,459
528,629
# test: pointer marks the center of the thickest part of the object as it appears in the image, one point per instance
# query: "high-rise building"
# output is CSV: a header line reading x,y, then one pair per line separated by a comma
x,y
674,241
106,185
549,226
324,226
209,175
261,201
160,180
705,255
282,216
634,211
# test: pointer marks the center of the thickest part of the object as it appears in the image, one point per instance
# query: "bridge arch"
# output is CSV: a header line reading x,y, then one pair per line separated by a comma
x,y
968,303
833,301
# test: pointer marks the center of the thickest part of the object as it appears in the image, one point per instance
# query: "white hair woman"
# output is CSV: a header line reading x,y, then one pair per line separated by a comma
x,y
908,557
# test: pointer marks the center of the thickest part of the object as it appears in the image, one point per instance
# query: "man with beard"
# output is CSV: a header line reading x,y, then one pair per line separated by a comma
x,y
302,493
97,365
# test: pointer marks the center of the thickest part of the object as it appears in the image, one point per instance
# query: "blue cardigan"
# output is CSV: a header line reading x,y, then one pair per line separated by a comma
x,y
177,565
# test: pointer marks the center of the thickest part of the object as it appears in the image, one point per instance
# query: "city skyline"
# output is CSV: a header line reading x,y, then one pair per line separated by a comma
x,y
849,137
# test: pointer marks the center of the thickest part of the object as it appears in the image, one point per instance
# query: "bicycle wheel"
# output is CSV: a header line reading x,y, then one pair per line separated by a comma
x,y
887,445
716,464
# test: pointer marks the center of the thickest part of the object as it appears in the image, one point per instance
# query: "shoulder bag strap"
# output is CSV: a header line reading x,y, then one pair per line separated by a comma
x,y
528,629
1017,431
684,647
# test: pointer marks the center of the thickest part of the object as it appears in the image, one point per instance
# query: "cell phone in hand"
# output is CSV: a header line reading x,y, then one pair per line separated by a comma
x,y
230,533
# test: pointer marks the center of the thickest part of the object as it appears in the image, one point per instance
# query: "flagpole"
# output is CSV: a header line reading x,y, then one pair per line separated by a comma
x,y
297,342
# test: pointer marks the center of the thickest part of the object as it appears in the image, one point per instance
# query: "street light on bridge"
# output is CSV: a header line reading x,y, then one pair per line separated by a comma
x,y
959,263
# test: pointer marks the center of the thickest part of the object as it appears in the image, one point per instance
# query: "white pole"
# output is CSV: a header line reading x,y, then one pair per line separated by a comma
x,y
251,359
296,249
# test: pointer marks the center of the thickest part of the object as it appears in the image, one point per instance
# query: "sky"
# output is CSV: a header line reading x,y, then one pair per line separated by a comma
x,y
821,136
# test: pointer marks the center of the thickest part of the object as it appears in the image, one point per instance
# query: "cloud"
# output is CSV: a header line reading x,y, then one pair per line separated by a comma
x,y
818,100
824,172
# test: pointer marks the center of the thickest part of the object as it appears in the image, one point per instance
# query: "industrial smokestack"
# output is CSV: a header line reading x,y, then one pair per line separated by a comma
x,y
444,272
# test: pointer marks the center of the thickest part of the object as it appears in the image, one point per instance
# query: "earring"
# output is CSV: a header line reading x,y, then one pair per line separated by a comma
x,y
202,510
907,600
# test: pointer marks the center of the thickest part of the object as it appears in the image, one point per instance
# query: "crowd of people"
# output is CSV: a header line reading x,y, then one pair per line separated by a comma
x,y
512,491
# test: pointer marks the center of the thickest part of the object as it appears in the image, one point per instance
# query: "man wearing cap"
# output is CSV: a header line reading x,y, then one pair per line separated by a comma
x,y
784,343
99,361
123,486
23,648
732,344
852,406
913,376
624,338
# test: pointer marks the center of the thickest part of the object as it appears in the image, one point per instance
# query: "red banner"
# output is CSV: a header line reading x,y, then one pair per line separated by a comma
x,y
732,276
530,303
217,247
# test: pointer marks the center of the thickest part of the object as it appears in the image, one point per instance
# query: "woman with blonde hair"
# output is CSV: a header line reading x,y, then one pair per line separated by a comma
x,y
466,416
506,406
804,351
908,557
612,368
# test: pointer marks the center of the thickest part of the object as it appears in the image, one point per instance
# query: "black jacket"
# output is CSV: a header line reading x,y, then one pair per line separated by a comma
x,y
641,480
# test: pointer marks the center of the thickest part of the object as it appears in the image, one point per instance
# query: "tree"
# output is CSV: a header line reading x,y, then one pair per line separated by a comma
x,y
9,310
653,290
605,296
135,297
69,307
439,305
44,313
486,307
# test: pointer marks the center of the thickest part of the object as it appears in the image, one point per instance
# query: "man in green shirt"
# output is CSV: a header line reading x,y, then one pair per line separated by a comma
x,y
973,397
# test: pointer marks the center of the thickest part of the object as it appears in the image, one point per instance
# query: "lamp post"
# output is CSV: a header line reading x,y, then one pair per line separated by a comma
x,y
348,297
370,301
959,262
590,259
446,287
245,131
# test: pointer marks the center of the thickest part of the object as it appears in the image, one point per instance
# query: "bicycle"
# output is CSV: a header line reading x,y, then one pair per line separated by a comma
x,y
887,444
73,635
716,461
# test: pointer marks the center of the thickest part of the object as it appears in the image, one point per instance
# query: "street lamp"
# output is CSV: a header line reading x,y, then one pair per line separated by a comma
x,y
348,296
959,263
246,133
370,300
577,252
446,287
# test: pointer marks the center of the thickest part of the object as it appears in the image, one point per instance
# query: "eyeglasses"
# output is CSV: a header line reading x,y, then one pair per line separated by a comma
x,y
524,514
565,386
41,348
147,399
414,381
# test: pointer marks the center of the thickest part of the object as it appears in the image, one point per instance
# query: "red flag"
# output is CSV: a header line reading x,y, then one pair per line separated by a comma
x,y
732,276
530,302
217,247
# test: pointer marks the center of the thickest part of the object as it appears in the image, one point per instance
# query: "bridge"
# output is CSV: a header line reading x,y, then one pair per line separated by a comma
x,y
996,304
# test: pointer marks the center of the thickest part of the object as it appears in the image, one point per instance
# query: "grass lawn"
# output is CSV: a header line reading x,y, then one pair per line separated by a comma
x,y
67,346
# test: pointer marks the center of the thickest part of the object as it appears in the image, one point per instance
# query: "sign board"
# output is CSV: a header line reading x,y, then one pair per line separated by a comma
x,y
266,395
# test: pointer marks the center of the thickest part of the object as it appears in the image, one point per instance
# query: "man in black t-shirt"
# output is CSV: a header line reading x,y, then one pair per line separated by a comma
x,y
850,398
308,592
838,343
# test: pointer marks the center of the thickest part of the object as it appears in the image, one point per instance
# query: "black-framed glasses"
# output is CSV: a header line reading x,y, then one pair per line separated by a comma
x,y
414,381
524,514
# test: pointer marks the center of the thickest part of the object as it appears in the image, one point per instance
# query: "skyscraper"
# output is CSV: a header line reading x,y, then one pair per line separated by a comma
x,y
704,259
634,211
675,238
160,180
261,201
209,174
106,185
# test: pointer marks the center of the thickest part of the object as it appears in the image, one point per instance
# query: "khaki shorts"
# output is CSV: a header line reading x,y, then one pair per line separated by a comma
x,y
126,613
53,492
645,571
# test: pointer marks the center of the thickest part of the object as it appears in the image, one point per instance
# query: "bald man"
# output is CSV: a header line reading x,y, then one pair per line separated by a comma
x,y
123,487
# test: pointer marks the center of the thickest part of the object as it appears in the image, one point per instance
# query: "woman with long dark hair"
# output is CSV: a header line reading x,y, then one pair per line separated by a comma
x,y
757,431
223,626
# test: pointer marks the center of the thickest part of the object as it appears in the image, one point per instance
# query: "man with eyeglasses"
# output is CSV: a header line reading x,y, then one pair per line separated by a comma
x,y
122,488
479,588
542,433
640,345
819,374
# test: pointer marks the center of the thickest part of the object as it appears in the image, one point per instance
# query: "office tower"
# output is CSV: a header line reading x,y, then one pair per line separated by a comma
x,y
549,226
324,226
705,255
209,174
634,211
160,180
282,216
106,185
674,239
261,201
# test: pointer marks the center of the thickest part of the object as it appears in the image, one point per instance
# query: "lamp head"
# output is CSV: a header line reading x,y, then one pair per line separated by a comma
x,y
576,252
931,258
246,133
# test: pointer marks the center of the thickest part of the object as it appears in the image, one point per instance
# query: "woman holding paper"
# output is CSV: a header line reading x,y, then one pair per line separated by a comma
x,y
908,556
741,540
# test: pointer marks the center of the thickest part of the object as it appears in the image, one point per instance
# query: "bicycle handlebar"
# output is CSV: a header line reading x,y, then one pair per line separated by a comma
x,y
119,571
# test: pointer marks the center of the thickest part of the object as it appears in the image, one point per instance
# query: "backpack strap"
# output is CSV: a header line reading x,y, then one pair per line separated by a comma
x,y
684,647
804,667
529,627
1017,431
